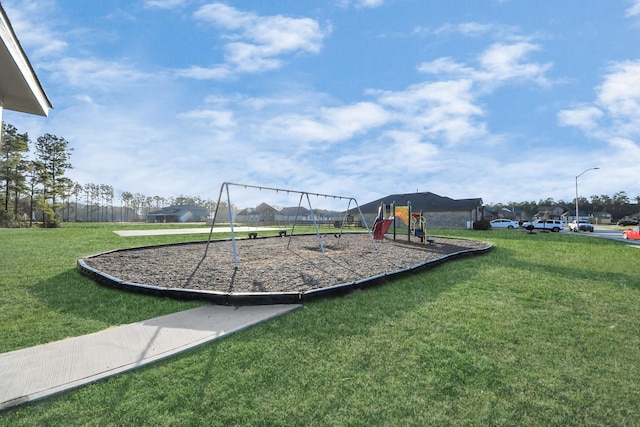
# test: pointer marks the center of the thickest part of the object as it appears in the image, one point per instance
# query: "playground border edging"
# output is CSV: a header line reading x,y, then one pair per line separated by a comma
x,y
260,298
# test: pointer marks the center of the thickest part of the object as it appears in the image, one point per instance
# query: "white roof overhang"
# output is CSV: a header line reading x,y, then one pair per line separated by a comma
x,y
20,89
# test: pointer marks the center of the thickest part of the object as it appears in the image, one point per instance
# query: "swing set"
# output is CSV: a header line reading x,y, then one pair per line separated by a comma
x,y
415,222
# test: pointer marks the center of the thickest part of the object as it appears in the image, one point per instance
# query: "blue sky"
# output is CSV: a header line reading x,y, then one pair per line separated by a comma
x,y
500,99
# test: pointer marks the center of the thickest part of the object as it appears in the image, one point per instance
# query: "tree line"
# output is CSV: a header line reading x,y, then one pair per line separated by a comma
x,y
34,189
620,205
97,203
31,185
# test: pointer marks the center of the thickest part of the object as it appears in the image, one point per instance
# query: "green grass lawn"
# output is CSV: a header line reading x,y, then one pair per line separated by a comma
x,y
543,330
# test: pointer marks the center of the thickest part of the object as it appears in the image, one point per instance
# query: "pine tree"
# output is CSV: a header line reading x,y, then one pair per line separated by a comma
x,y
53,155
12,170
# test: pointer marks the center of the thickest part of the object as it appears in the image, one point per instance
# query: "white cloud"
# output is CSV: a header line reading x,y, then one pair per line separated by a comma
x,y
369,3
34,30
445,66
164,4
613,118
498,64
257,43
213,118
328,124
360,4
96,73
627,146
616,110
634,9
507,61
620,91
584,117
465,28
441,110
384,155
470,29
251,58
221,72
141,131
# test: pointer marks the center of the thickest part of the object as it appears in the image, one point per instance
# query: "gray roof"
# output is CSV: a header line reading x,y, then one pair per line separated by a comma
x,y
424,202
175,209
291,211
261,209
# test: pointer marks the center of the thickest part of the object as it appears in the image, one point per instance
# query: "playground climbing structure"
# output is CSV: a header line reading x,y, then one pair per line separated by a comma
x,y
388,214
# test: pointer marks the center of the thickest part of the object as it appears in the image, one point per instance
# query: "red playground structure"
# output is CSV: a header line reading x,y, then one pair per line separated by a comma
x,y
415,222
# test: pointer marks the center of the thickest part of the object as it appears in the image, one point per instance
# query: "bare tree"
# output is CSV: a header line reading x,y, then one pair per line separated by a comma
x,y
76,190
107,194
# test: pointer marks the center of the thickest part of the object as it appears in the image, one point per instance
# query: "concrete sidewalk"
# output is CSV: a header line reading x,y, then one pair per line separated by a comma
x,y
172,231
37,372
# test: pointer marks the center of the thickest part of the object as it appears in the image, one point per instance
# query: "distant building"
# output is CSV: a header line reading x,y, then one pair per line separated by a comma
x,y
294,213
262,214
513,213
553,212
180,213
602,218
593,217
265,214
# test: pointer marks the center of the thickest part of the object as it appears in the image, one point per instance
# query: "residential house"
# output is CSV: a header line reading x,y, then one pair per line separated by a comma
x,y
180,213
261,214
294,214
553,212
602,218
439,211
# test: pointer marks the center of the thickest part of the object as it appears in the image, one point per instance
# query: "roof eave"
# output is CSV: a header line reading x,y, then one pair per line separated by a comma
x,y
20,89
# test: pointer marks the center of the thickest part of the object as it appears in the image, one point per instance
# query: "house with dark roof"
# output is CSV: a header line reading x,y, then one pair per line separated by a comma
x,y
294,213
180,213
264,214
439,211
553,212
261,214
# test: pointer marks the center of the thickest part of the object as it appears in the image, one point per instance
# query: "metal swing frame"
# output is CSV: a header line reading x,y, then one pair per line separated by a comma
x,y
224,188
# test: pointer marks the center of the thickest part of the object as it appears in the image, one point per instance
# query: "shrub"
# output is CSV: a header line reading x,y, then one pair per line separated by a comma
x,y
481,225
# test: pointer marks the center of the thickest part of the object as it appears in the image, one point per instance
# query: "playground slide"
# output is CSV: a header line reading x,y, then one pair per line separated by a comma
x,y
380,228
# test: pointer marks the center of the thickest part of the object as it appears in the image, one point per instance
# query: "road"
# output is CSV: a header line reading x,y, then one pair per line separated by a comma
x,y
606,233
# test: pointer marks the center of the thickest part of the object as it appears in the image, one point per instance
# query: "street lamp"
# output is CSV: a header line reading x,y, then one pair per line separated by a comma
x,y
577,214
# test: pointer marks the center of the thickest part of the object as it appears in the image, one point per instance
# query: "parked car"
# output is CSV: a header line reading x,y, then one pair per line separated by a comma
x,y
582,225
504,223
632,233
545,224
625,222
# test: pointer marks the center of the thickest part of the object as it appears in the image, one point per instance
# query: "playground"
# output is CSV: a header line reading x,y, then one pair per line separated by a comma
x,y
287,267
291,267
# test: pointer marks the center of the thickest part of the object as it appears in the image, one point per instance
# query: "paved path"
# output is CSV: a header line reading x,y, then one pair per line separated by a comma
x,y
167,231
37,372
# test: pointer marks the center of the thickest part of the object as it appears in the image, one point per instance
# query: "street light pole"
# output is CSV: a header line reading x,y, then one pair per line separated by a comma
x,y
577,213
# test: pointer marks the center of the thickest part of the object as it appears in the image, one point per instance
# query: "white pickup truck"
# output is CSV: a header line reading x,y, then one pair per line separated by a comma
x,y
545,224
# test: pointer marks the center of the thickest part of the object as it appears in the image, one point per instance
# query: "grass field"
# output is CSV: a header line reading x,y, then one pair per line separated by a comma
x,y
543,330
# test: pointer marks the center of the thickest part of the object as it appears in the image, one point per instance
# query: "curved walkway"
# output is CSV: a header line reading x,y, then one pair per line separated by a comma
x,y
34,373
